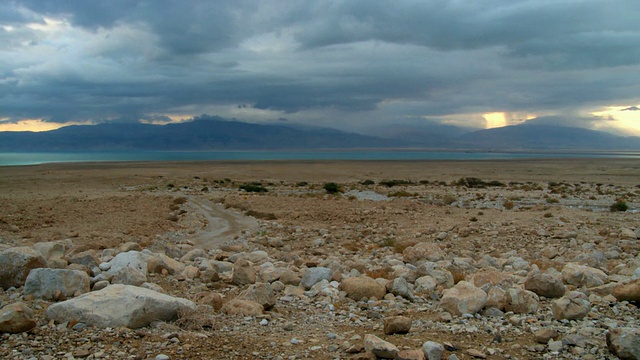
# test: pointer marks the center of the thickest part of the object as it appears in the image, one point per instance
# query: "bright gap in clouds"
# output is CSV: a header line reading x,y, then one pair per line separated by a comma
x,y
495,119
624,118
35,125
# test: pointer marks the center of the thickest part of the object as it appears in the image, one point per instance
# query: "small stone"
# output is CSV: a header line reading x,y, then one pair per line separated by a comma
x,y
574,305
410,355
476,354
380,348
544,335
555,346
397,325
264,322
16,318
314,275
162,357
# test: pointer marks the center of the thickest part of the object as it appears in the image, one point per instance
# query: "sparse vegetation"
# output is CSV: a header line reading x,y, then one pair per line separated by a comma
x,y
368,182
473,182
401,193
392,183
619,205
331,188
508,205
449,199
253,187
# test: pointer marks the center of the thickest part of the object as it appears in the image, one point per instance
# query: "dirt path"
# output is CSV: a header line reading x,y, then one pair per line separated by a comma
x,y
221,225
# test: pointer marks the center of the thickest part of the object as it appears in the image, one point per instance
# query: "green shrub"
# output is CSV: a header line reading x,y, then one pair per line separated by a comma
x,y
368,182
253,187
331,187
619,205
401,193
392,183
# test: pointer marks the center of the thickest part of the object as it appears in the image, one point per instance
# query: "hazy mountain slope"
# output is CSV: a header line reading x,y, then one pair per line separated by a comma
x,y
200,134
531,136
213,133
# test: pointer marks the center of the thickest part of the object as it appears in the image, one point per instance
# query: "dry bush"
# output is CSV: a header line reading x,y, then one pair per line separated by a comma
x,y
261,215
352,246
180,200
449,199
384,273
196,320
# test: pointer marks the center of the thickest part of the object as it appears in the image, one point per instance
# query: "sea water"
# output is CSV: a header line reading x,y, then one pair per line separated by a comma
x,y
14,159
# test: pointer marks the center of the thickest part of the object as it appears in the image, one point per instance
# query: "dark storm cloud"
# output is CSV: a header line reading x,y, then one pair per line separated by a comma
x,y
122,59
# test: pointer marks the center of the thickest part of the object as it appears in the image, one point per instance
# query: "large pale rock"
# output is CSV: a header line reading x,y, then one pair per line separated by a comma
x,y
120,305
432,350
242,308
87,258
50,249
16,318
629,291
522,301
156,263
548,284
422,252
463,298
314,275
362,287
486,279
380,348
16,263
129,268
397,325
582,275
425,284
192,255
497,298
262,293
574,305
400,287
243,273
624,343
442,276
49,283
269,273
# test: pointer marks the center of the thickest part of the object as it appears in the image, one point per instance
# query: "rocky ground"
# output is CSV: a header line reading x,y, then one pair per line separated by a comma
x,y
520,260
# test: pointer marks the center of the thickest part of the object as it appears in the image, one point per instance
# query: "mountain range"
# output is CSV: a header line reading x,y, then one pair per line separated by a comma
x,y
215,133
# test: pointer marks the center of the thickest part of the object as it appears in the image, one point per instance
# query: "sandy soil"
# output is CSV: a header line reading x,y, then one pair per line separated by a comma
x,y
106,204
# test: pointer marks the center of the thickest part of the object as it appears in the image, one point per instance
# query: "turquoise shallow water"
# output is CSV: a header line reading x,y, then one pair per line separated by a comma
x,y
14,159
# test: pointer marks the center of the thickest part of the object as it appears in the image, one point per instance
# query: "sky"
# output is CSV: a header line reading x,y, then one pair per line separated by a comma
x,y
351,65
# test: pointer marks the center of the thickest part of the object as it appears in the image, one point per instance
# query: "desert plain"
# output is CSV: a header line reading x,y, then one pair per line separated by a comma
x,y
420,228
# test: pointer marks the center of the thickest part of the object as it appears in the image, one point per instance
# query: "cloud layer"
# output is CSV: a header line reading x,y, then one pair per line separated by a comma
x,y
331,63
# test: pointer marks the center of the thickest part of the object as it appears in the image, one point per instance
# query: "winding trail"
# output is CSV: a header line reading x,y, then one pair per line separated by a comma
x,y
222,225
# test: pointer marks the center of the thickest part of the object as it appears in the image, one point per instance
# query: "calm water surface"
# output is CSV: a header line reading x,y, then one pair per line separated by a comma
x,y
13,159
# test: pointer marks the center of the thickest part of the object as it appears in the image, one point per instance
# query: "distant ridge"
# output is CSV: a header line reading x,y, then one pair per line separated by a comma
x,y
210,133
203,133
539,137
